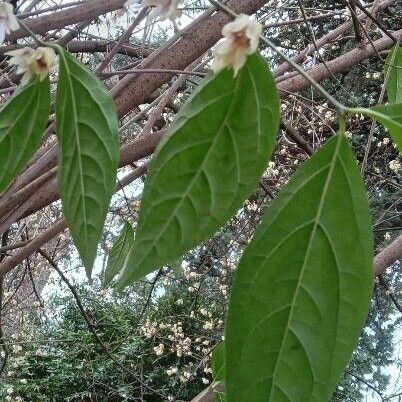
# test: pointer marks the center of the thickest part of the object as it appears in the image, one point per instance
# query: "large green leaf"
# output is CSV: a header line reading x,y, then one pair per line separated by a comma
x,y
390,116
209,163
393,69
302,289
119,252
22,122
87,130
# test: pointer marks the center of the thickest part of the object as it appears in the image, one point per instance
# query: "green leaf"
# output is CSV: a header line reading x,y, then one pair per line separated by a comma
x,y
390,116
393,69
218,368
209,163
22,122
118,253
87,130
302,289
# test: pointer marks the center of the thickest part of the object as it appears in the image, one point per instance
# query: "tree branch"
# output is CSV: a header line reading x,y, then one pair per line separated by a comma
x,y
388,256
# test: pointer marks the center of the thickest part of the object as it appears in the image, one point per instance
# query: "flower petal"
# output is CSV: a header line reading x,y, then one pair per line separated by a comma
x,y
239,24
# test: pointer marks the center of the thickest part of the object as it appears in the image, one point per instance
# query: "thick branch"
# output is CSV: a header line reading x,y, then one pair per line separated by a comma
x,y
88,11
9,263
339,65
388,256
34,245
132,91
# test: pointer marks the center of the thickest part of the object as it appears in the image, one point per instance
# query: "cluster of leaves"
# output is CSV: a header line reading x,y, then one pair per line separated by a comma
x,y
86,120
281,322
274,315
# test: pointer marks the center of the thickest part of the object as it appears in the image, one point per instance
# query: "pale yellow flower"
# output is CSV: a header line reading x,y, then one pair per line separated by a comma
x,y
8,21
162,8
241,39
32,63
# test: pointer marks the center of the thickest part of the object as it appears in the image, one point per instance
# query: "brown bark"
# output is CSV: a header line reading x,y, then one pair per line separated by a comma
x,y
71,16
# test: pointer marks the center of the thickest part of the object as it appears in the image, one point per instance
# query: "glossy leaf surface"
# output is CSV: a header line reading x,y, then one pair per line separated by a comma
x,y
390,116
87,131
22,122
302,289
209,163
393,66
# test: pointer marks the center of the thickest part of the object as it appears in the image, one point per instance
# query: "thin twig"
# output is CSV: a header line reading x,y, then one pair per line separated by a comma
x,y
88,320
338,106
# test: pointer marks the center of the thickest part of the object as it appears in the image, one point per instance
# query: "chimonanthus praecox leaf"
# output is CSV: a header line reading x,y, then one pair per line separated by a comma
x,y
302,289
390,116
119,252
393,67
22,122
208,164
87,130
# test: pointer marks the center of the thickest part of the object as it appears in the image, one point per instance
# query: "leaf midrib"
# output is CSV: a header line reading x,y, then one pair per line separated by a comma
x,y
174,213
76,136
11,127
120,247
308,250
38,99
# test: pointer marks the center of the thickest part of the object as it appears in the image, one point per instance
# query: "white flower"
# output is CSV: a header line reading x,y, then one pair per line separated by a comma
x,y
172,371
395,166
135,205
241,39
159,349
162,8
10,390
185,376
8,21
205,380
149,329
179,302
223,289
183,379
17,348
24,381
32,62
208,325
